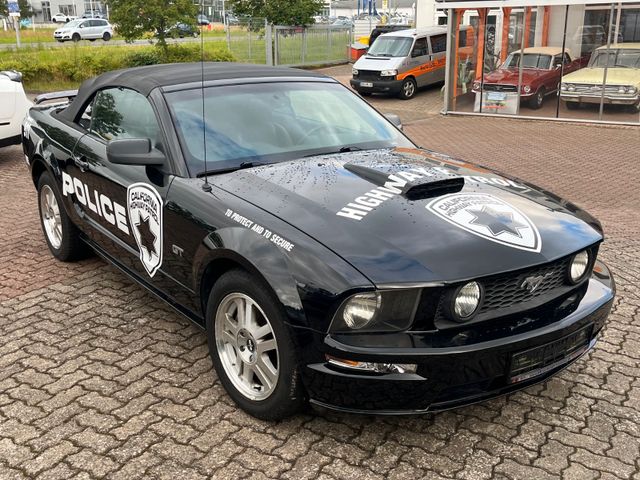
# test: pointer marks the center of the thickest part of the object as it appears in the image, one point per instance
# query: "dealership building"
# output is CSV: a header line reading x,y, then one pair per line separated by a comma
x,y
560,59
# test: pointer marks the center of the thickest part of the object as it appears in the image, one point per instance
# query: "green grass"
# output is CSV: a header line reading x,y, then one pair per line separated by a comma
x,y
27,36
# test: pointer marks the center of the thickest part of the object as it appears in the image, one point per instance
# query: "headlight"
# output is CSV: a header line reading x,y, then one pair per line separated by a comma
x,y
388,73
633,90
466,301
571,88
379,311
526,89
354,72
622,89
361,309
563,87
578,266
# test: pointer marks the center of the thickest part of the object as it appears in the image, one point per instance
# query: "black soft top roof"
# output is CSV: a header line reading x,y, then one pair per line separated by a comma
x,y
145,79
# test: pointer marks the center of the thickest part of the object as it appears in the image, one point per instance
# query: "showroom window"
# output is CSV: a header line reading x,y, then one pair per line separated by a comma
x,y
577,61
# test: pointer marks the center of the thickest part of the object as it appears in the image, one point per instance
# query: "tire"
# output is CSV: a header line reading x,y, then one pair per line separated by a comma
x,y
572,105
61,235
106,36
537,101
408,89
76,37
634,108
234,348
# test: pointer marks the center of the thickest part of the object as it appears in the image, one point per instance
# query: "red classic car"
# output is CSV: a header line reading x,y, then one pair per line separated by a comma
x,y
541,74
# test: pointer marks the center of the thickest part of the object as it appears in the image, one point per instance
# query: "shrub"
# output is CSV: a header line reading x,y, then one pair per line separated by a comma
x,y
72,65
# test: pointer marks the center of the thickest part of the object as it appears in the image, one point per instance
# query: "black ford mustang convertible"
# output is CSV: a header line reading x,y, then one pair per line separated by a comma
x,y
329,258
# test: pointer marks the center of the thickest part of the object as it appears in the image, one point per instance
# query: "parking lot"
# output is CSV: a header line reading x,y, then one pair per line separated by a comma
x,y
100,379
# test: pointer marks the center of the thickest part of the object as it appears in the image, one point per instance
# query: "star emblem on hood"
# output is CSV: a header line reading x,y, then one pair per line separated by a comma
x,y
147,237
497,222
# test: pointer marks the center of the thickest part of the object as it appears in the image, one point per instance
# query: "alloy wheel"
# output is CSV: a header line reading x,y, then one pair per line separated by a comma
x,y
247,346
409,89
51,220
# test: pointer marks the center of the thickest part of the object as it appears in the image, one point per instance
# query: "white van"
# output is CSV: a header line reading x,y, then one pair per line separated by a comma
x,y
398,63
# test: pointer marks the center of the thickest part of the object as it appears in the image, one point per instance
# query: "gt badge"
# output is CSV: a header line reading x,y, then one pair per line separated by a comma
x,y
488,217
144,206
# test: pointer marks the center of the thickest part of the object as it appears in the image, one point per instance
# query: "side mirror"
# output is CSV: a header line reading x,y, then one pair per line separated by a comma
x,y
134,151
558,65
395,119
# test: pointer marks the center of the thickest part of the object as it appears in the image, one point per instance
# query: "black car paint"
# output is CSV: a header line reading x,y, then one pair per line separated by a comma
x,y
397,244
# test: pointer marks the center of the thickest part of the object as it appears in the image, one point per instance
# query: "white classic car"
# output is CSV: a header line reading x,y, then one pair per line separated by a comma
x,y
14,106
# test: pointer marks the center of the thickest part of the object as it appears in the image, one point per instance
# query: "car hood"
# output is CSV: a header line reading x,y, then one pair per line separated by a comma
x,y
615,76
511,77
349,203
367,62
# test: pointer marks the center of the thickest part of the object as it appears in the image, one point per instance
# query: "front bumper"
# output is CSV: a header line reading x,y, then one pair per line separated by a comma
x,y
456,375
391,86
608,99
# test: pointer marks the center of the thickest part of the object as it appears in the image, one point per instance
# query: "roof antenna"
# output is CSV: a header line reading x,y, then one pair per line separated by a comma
x,y
206,187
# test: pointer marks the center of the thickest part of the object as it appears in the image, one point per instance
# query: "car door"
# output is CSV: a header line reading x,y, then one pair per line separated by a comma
x,y
419,60
123,208
438,46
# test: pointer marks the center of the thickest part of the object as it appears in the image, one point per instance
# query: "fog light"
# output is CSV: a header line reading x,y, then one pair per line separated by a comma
x,y
467,300
526,89
361,309
373,367
578,266
354,72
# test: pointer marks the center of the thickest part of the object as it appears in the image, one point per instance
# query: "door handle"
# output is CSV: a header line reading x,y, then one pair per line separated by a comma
x,y
81,163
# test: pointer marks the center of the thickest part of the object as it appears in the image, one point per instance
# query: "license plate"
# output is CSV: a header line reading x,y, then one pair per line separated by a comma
x,y
366,84
496,96
539,360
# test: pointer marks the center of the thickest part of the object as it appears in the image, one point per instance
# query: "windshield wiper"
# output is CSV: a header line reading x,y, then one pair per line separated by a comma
x,y
242,166
340,150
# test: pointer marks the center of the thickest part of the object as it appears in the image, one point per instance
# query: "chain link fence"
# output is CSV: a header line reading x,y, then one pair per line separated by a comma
x,y
314,45
252,40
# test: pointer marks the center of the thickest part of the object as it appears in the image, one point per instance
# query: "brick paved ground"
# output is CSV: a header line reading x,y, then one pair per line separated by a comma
x,y
97,378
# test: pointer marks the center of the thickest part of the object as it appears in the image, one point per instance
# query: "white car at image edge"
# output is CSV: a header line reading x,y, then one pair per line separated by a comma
x,y
14,106
62,18
84,29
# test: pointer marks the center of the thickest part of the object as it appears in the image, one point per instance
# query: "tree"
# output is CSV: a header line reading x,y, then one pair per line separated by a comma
x,y
4,8
279,12
25,9
133,18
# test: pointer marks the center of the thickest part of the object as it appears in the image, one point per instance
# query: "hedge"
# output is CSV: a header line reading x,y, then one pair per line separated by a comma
x,y
74,64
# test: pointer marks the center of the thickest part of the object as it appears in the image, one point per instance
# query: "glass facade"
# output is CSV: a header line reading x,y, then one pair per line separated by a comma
x,y
553,61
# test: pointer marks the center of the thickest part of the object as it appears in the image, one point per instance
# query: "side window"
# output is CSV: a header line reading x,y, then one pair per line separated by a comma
x,y
420,48
84,24
438,43
567,58
121,113
557,60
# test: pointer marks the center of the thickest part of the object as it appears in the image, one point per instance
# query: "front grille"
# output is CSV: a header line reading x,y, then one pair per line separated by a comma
x,y
368,75
496,87
596,89
506,294
502,291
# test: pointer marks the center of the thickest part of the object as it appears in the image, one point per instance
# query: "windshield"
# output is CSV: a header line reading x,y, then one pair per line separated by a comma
x,y
272,122
530,60
621,57
74,23
390,47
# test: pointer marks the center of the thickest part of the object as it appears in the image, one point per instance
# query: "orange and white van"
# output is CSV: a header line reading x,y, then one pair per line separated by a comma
x,y
398,63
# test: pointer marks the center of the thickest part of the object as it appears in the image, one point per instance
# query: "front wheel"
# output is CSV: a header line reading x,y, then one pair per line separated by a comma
x,y
408,89
62,236
76,37
251,348
538,99
106,36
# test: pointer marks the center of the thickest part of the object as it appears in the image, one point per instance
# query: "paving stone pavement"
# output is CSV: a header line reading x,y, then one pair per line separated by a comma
x,y
99,379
